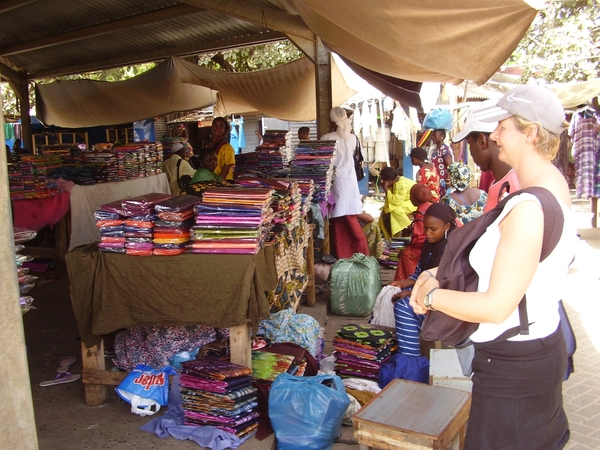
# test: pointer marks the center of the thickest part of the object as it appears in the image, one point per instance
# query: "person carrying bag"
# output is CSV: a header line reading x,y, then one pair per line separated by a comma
x,y
517,381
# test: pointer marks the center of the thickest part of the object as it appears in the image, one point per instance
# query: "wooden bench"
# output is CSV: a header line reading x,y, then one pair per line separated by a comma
x,y
413,416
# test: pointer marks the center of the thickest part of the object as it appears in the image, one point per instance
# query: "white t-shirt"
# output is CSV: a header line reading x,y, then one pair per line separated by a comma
x,y
546,288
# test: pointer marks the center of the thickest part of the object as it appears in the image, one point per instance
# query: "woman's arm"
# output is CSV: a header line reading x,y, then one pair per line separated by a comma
x,y
515,263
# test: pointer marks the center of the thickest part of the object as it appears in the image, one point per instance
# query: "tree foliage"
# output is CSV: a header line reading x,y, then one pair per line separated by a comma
x,y
250,59
562,43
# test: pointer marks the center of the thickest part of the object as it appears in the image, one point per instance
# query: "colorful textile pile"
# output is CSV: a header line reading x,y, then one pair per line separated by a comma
x,y
111,223
127,226
286,202
107,165
232,220
280,141
219,393
390,255
314,160
267,366
32,177
172,226
361,350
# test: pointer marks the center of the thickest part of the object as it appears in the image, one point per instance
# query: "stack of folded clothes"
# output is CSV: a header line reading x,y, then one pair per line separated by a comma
x,y
110,220
220,394
172,227
314,160
232,220
361,350
139,224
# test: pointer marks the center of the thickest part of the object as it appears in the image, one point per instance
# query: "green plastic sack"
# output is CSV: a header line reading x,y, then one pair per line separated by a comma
x,y
355,284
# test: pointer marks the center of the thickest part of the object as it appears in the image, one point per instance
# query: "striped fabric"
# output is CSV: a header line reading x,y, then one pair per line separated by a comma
x,y
408,328
585,144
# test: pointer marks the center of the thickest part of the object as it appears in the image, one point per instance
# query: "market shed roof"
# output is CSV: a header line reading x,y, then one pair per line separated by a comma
x,y
417,40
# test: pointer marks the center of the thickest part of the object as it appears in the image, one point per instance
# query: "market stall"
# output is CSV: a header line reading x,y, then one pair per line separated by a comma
x,y
112,291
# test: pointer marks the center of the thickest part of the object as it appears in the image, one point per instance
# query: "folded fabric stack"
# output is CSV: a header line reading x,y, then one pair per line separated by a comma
x,y
314,160
219,393
110,220
32,177
107,163
82,174
391,254
232,220
139,223
278,142
307,190
361,350
287,198
128,161
246,163
175,217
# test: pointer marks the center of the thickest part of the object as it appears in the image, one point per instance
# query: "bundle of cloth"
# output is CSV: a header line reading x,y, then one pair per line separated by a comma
x,y
361,350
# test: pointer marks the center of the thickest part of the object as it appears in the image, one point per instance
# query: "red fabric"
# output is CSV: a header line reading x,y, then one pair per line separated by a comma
x,y
36,213
486,180
408,258
347,237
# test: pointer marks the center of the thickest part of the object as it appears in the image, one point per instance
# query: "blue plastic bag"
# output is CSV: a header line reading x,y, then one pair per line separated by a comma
x,y
438,119
307,412
146,389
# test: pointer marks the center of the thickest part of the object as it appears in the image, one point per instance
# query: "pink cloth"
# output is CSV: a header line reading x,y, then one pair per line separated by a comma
x,y
36,213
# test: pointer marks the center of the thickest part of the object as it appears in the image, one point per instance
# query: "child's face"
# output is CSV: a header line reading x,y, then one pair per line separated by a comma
x,y
210,162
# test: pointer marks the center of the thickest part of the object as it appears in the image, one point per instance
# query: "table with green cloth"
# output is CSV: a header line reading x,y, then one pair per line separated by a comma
x,y
111,291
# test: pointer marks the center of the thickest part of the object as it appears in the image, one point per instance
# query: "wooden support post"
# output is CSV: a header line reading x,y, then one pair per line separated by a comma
x,y
241,345
311,297
93,360
594,201
326,248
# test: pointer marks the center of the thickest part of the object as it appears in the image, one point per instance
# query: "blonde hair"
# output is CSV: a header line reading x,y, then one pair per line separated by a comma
x,y
546,142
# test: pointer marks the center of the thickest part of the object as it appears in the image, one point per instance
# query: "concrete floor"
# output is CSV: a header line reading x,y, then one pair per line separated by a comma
x,y
65,422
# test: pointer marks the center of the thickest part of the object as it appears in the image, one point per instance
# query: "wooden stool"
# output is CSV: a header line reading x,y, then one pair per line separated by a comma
x,y
413,416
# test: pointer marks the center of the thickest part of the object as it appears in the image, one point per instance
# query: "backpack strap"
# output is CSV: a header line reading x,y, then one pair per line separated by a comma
x,y
553,226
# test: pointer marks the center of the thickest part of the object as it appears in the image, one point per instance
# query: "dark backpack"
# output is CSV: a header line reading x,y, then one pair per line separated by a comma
x,y
456,273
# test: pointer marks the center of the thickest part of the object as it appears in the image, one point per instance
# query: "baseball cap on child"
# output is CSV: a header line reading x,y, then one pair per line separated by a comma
x,y
530,102
472,125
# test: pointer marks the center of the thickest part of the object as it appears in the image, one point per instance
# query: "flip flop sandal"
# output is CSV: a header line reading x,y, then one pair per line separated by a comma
x,y
64,363
61,378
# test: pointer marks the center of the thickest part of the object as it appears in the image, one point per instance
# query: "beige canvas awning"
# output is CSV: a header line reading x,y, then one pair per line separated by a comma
x,y
286,92
420,40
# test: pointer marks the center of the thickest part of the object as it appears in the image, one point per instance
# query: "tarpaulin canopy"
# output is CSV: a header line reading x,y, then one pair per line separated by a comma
x,y
420,40
286,92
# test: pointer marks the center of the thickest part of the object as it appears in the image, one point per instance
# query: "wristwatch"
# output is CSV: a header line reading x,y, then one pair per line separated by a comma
x,y
428,300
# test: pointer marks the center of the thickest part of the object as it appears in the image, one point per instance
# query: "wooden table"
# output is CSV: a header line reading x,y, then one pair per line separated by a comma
x,y
115,291
413,416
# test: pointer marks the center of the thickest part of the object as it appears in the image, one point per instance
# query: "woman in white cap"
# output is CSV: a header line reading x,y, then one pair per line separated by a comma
x,y
347,236
517,383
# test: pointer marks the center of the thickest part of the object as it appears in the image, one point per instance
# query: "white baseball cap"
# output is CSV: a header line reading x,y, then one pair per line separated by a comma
x,y
472,124
531,102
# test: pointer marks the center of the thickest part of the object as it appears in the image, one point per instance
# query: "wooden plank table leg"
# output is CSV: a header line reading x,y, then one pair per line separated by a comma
x,y
241,345
93,359
594,201
311,296
326,248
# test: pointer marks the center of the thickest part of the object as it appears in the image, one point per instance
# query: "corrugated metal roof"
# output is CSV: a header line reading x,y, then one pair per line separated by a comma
x,y
55,37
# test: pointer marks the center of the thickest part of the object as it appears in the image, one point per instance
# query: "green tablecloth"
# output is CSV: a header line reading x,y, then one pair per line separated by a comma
x,y
112,291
